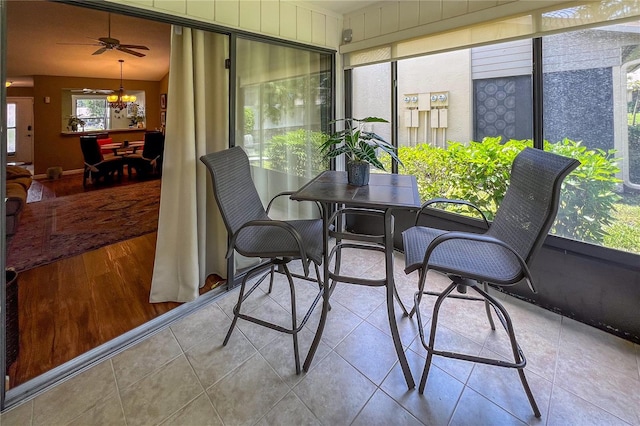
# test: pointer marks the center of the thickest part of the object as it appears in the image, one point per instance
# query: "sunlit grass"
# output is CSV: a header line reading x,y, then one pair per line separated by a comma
x,y
630,121
624,233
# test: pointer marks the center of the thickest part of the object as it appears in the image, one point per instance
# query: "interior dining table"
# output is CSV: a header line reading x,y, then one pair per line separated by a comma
x,y
122,148
384,194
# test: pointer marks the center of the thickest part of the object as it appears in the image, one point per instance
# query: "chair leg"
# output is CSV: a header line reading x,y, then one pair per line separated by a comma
x,y
236,310
318,276
294,319
518,355
487,306
241,297
527,390
502,314
295,327
271,278
432,335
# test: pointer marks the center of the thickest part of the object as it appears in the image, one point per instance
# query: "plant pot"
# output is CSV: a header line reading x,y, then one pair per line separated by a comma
x,y
358,173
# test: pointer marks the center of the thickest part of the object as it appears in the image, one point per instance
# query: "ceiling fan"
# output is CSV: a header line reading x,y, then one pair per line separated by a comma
x,y
109,43
93,91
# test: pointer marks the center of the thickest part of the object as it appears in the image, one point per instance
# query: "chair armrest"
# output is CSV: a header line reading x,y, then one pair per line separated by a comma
x,y
450,201
281,194
455,235
289,193
275,223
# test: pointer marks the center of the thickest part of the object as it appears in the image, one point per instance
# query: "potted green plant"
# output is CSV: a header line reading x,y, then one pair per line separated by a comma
x,y
140,120
137,116
359,148
74,122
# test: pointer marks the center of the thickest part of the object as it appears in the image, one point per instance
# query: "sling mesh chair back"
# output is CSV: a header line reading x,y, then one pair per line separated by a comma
x,y
254,234
500,256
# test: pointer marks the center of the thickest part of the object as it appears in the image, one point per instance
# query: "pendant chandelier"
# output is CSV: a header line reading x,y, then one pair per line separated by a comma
x,y
121,100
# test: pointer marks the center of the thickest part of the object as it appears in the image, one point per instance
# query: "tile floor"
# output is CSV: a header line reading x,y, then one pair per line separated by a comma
x,y
184,376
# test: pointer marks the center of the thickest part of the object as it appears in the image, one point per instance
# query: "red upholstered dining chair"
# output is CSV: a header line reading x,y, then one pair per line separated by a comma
x,y
104,139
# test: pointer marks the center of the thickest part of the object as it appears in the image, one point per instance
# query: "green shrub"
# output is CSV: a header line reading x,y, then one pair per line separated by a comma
x,y
588,199
297,153
624,233
479,172
249,120
429,165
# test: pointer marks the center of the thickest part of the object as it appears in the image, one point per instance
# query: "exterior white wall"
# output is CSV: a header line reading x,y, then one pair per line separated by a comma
x,y
502,59
444,72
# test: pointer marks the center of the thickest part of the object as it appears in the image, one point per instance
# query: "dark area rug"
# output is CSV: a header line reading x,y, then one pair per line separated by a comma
x,y
62,227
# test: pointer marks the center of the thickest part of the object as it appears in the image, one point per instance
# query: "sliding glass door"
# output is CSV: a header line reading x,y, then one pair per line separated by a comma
x,y
284,105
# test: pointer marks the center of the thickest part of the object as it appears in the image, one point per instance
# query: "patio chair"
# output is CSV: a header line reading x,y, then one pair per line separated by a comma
x,y
253,234
500,257
97,166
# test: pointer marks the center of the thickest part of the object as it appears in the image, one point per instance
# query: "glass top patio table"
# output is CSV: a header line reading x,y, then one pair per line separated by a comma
x,y
383,194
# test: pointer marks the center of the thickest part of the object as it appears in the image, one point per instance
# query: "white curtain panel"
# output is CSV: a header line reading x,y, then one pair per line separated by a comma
x,y
192,239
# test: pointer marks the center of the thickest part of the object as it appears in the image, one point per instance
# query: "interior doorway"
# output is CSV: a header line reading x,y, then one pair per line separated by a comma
x,y
20,130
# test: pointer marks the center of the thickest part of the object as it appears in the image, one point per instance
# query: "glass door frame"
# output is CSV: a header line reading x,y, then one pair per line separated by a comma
x,y
9,398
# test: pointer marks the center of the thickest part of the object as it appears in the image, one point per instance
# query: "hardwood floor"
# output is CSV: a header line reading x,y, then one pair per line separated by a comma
x,y
71,306
42,189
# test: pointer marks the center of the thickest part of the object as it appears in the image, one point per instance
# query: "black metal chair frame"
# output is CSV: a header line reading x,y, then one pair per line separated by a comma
x,y
463,283
282,263
278,263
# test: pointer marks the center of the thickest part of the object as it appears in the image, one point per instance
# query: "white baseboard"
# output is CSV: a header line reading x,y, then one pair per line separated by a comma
x,y
65,172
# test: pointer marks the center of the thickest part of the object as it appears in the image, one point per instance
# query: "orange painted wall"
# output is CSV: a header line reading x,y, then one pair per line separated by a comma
x,y
53,148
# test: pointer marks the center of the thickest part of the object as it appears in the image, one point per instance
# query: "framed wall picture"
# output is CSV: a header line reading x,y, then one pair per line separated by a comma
x,y
163,101
163,117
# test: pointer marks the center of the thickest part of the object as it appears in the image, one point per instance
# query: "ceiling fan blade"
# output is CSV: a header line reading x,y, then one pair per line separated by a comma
x,y
108,41
99,51
130,52
88,91
134,46
81,44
